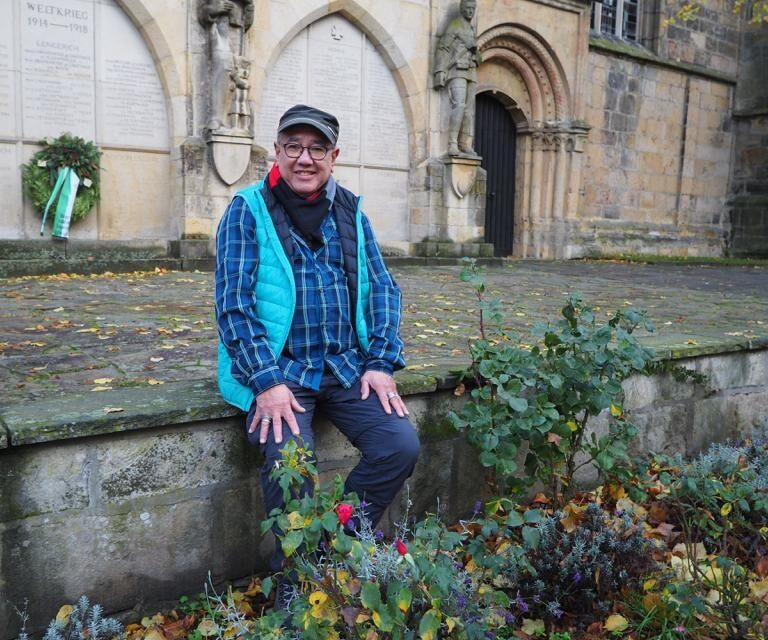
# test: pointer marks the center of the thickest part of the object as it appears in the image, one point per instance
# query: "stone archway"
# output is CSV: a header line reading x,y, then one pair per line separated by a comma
x,y
519,64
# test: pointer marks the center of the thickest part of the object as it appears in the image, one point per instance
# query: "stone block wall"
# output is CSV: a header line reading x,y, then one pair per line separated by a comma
x,y
657,159
710,40
137,507
749,188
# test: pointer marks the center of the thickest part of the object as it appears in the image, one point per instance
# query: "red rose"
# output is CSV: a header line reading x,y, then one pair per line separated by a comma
x,y
344,512
401,548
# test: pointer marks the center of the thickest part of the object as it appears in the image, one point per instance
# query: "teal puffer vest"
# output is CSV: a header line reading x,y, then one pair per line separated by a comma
x,y
275,287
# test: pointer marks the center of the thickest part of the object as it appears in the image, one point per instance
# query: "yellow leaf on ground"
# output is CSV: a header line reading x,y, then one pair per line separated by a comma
x,y
153,382
102,380
533,627
154,634
62,616
208,628
101,388
616,622
726,509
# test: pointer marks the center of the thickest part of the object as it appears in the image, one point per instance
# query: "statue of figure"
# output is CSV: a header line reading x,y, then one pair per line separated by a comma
x,y
226,21
456,60
240,109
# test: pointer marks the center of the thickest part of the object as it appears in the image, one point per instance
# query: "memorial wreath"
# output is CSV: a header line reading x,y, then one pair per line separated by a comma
x,y
40,174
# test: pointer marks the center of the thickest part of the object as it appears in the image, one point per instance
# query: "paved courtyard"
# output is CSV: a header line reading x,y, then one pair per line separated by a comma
x,y
76,334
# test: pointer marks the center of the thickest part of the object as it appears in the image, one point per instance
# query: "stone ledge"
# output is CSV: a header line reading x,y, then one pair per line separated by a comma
x,y
177,403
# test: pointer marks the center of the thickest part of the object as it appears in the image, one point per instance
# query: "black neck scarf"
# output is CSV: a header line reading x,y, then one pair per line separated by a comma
x,y
306,214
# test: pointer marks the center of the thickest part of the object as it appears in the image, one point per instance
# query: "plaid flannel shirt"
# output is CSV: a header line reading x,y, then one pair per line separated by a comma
x,y
322,334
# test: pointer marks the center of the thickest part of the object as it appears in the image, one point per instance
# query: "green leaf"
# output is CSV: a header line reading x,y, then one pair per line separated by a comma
x,y
342,543
266,587
532,516
370,596
330,521
429,625
291,541
517,404
514,519
532,537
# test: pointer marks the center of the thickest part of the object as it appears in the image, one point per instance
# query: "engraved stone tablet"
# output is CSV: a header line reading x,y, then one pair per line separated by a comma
x,y
10,187
130,100
7,68
57,68
332,66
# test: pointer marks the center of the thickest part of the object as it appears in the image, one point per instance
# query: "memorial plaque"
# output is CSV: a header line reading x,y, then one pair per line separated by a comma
x,y
330,65
57,68
286,85
7,80
386,203
385,133
10,187
130,100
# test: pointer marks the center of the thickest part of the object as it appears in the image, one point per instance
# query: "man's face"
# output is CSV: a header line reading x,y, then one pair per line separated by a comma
x,y
468,8
303,174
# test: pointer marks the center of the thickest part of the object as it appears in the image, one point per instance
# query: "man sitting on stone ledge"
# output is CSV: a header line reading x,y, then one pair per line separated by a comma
x,y
309,316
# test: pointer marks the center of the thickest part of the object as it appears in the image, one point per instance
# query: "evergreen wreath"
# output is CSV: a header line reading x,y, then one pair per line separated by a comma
x,y
39,175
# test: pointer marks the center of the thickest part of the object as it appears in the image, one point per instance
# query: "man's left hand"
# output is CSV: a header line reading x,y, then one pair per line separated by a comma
x,y
385,388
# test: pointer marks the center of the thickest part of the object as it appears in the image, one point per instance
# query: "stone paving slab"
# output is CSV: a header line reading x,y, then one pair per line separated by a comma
x,y
65,335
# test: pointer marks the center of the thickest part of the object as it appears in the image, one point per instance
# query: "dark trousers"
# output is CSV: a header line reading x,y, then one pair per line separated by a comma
x,y
389,445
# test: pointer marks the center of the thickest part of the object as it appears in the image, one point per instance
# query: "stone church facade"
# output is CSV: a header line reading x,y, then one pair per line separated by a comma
x,y
604,129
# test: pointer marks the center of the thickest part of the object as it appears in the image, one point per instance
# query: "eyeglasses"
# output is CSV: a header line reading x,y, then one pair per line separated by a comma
x,y
294,150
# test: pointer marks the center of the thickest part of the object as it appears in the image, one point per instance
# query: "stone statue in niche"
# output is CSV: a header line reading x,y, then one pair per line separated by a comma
x,y
456,61
226,22
240,108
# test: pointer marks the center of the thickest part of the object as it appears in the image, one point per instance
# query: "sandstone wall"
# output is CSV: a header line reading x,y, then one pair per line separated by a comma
x,y
658,158
138,506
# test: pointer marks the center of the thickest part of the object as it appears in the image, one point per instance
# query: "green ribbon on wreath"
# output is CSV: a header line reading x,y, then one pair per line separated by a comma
x,y
65,190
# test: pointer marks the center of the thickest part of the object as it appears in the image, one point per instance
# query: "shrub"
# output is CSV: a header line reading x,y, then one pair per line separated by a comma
x,y
536,401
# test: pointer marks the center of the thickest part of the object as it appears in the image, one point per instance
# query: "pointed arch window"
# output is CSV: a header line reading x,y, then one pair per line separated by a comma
x,y
616,18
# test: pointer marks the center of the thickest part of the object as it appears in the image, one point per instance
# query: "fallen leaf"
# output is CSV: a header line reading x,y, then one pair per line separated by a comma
x,y
157,359
553,438
101,388
62,616
533,627
113,409
102,380
153,382
459,390
208,628
616,622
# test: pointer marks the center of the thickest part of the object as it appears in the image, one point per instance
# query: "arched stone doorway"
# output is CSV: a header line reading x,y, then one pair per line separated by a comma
x,y
517,62
495,142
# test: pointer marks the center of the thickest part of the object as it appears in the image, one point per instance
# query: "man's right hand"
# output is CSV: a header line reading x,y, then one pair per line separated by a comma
x,y
272,407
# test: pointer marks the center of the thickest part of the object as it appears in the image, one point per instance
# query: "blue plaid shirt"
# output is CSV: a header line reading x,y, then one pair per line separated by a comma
x,y
322,334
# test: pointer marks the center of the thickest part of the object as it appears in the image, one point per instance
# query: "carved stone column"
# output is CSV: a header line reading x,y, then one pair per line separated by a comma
x,y
229,128
551,166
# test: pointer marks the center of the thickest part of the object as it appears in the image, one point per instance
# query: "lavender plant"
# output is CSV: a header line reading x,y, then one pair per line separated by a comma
x,y
83,622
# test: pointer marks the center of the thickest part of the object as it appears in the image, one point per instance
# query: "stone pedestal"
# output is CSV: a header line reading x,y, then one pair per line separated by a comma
x,y
462,217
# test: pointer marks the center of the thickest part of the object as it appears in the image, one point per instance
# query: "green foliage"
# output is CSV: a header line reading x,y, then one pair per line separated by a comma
x,y
537,401
720,499
39,174
83,622
348,581
571,564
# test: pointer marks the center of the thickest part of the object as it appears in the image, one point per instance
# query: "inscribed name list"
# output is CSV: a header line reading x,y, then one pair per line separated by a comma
x,y
57,68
